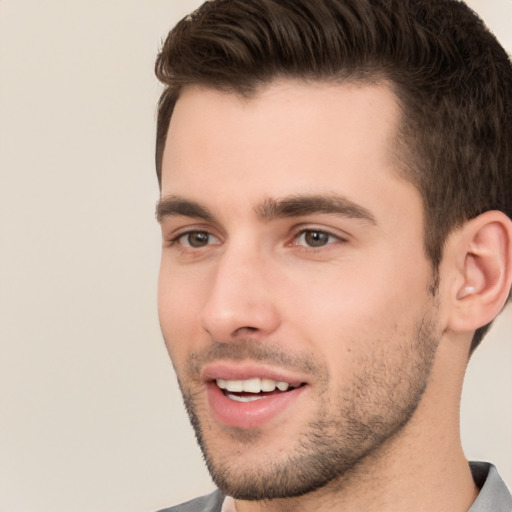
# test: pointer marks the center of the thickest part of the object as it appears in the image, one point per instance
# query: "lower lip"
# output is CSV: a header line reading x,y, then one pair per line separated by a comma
x,y
249,415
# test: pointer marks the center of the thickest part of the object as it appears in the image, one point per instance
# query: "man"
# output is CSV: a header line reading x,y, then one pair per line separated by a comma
x,y
336,203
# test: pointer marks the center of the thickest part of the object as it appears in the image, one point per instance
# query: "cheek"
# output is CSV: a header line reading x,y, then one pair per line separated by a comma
x,y
355,306
177,310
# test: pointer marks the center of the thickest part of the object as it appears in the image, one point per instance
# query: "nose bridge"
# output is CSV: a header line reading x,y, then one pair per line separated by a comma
x,y
240,296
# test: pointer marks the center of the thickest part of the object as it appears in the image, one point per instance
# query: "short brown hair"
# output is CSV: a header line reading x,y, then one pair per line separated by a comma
x,y
450,74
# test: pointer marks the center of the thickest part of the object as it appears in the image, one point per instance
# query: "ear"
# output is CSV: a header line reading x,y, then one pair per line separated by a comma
x,y
482,253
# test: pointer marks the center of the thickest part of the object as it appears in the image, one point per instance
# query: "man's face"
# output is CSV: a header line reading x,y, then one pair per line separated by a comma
x,y
294,289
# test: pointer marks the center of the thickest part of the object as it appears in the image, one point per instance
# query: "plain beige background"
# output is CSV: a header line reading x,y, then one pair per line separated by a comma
x,y
90,417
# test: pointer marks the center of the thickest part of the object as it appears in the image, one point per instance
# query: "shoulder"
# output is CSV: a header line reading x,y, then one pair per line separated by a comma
x,y
209,503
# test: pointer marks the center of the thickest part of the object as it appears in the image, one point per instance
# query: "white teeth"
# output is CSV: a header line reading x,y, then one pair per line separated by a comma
x,y
268,385
235,386
255,385
282,386
245,398
221,383
252,385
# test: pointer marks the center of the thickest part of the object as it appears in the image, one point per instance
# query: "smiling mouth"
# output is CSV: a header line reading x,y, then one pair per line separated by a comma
x,y
250,390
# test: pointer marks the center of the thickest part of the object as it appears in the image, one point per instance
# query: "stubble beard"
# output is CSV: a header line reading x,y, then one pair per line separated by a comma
x,y
368,412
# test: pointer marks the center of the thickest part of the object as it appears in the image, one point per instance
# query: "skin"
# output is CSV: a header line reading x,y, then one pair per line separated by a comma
x,y
353,318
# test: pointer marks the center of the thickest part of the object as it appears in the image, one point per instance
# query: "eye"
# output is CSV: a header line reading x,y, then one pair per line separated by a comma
x,y
197,239
315,238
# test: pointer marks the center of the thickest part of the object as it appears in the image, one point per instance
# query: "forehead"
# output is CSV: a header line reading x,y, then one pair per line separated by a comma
x,y
287,137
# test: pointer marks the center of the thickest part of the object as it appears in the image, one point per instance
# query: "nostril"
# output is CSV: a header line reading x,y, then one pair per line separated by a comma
x,y
246,329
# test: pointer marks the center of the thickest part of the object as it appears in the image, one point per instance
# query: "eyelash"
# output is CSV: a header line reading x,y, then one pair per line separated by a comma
x,y
330,239
176,239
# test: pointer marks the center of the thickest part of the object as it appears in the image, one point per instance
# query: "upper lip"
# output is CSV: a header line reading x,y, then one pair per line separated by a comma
x,y
248,370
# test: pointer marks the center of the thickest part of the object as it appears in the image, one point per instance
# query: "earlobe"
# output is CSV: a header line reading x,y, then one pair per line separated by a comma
x,y
484,247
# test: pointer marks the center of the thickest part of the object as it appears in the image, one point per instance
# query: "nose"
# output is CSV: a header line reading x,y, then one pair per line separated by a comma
x,y
241,298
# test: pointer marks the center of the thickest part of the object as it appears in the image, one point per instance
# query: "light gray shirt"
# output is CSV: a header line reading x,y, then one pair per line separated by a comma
x,y
493,497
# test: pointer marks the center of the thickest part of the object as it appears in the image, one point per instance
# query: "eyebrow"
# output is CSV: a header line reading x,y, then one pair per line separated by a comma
x,y
173,206
271,209
302,205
